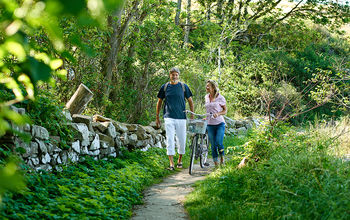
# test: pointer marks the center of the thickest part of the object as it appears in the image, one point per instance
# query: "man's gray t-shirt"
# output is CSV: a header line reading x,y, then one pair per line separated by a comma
x,y
175,103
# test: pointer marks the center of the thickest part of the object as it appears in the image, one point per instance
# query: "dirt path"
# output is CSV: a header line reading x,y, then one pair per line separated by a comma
x,y
165,200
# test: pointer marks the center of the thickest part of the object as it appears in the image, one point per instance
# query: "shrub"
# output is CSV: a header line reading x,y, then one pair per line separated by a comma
x,y
44,108
104,189
298,180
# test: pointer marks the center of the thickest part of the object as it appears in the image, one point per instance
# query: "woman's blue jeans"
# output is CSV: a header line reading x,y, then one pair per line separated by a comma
x,y
216,139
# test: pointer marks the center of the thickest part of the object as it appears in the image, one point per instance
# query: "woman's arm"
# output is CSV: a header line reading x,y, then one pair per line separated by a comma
x,y
223,112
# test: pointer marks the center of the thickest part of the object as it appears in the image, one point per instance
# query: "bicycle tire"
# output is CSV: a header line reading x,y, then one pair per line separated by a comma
x,y
203,151
192,154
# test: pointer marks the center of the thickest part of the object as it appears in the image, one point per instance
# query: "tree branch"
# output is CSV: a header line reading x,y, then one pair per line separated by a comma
x,y
284,17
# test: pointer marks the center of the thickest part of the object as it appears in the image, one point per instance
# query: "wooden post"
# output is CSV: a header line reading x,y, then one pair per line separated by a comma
x,y
79,100
243,163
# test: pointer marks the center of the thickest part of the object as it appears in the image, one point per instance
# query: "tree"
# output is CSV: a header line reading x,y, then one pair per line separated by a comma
x,y
178,12
25,65
188,23
249,21
119,24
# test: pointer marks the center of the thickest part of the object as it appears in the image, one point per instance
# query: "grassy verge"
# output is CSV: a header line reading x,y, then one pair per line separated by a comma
x,y
104,189
296,177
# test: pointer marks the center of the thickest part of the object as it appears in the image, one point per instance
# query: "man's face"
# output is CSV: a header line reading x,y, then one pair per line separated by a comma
x,y
174,76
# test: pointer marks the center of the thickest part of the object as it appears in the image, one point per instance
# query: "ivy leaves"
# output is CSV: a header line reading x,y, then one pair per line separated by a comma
x,y
94,189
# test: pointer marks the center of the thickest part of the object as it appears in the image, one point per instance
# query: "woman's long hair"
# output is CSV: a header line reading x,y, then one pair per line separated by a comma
x,y
215,86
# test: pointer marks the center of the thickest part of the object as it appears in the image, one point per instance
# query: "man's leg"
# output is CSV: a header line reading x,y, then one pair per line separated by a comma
x,y
179,161
180,130
170,139
171,160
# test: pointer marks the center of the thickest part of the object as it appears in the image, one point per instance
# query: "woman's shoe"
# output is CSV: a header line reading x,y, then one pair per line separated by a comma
x,y
222,161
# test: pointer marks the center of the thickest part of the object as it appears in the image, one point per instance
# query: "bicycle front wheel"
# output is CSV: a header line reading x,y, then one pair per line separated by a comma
x,y
193,148
204,143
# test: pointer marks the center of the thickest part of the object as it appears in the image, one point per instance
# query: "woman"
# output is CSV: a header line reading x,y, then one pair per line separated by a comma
x,y
215,104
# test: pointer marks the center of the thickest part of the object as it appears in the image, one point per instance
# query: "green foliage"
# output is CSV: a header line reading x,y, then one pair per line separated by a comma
x,y
298,180
44,108
242,81
23,63
42,40
7,116
10,174
104,189
258,144
309,73
251,58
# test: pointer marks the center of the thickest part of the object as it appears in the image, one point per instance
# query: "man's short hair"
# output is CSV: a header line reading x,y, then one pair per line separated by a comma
x,y
175,69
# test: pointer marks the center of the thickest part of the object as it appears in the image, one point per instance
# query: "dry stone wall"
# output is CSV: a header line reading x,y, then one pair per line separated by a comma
x,y
237,127
96,136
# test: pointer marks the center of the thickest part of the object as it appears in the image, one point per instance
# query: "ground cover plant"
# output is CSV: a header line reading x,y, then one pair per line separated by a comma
x,y
298,175
104,189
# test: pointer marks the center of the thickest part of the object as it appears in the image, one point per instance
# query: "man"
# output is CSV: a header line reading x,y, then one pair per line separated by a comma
x,y
174,94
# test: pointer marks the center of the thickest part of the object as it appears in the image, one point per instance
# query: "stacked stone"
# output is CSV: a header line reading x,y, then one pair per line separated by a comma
x,y
96,136
238,127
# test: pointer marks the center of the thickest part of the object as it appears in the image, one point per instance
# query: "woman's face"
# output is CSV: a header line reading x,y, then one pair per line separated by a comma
x,y
209,88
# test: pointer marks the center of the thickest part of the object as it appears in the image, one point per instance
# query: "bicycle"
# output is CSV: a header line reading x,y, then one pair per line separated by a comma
x,y
199,144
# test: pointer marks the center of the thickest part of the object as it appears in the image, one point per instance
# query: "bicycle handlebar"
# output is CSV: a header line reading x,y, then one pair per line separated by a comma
x,y
207,114
201,115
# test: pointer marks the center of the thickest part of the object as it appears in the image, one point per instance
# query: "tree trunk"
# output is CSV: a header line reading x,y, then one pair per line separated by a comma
x,y
188,21
219,63
219,11
208,12
79,100
116,40
178,12
111,51
142,86
229,11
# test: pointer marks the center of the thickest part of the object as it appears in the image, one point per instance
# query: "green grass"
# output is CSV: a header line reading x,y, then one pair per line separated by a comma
x,y
295,178
104,189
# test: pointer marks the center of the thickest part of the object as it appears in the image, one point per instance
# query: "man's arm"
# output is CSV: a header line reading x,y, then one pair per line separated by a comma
x,y
190,103
159,106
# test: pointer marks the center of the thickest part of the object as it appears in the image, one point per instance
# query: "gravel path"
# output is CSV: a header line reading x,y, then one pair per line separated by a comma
x,y
165,200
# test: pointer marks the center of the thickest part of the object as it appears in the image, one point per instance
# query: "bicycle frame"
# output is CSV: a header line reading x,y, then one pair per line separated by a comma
x,y
198,148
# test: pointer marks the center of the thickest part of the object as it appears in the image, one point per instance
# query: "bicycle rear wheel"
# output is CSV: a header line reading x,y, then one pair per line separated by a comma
x,y
204,144
193,148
